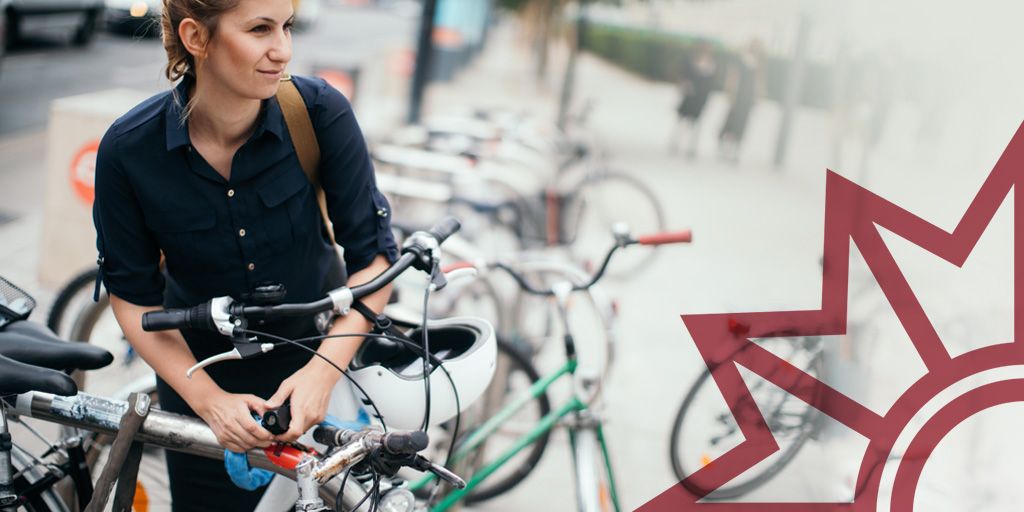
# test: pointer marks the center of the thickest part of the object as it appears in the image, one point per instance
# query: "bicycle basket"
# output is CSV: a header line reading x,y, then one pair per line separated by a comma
x,y
15,304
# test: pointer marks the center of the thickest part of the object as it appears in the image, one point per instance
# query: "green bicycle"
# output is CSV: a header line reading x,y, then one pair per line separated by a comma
x,y
595,483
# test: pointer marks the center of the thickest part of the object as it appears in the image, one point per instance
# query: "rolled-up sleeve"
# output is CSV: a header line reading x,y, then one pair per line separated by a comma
x,y
129,256
360,214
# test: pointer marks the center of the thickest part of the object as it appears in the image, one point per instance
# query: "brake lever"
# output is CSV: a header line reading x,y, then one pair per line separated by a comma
x,y
423,464
241,351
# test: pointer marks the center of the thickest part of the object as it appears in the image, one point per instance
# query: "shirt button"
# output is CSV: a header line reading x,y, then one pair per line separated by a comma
x,y
231,192
383,212
241,232
252,266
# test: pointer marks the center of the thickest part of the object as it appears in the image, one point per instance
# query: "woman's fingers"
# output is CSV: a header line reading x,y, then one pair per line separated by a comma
x,y
252,435
282,394
257,404
297,427
227,438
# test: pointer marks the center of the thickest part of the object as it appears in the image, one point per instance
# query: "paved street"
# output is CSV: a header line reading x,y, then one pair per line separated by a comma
x,y
758,235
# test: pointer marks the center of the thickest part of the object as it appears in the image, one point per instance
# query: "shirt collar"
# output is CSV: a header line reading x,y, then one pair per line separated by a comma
x,y
177,131
271,119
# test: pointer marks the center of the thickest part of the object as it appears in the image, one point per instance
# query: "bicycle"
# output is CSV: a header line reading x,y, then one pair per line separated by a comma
x,y
386,452
553,209
93,323
595,483
792,421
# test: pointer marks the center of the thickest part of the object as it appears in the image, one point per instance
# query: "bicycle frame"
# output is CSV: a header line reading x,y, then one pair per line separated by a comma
x,y
573,406
161,429
582,419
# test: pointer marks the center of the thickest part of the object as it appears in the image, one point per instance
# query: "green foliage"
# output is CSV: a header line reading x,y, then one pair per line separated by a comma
x,y
513,5
661,56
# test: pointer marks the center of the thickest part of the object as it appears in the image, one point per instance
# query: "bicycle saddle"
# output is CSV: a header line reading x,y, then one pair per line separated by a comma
x,y
18,377
34,344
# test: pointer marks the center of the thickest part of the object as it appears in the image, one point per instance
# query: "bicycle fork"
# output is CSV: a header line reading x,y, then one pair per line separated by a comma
x,y
595,481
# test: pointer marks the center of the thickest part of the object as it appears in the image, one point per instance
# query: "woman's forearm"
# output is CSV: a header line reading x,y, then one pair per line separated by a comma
x,y
166,352
341,350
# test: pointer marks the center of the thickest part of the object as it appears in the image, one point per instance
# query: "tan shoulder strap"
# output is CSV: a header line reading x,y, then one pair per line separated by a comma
x,y
296,117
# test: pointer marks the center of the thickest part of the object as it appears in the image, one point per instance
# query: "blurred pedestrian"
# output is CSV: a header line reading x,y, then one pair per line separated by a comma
x,y
699,74
744,84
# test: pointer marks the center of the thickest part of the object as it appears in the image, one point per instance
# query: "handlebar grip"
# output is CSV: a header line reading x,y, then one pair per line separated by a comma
x,y
458,265
405,443
327,435
677,237
445,228
196,317
164,320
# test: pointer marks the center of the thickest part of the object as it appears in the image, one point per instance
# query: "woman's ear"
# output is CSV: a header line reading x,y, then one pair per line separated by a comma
x,y
194,36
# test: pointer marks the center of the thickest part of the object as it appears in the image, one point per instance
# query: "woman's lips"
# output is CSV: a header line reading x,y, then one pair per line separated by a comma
x,y
273,74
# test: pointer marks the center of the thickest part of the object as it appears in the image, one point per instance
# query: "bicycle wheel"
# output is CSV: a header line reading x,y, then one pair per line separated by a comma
x,y
513,376
74,293
601,200
705,428
95,324
593,493
38,500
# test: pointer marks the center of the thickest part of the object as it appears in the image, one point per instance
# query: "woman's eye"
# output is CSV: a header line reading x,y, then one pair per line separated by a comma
x,y
260,28
288,26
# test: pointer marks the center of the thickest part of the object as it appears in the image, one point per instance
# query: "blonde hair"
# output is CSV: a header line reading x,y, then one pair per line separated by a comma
x,y
181,63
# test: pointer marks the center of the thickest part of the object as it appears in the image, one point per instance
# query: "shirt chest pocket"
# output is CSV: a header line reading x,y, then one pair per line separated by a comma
x,y
288,215
179,232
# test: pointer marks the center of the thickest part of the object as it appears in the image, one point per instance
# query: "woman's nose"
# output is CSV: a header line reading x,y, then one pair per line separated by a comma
x,y
281,51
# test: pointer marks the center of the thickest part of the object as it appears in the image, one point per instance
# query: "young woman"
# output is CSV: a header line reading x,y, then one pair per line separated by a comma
x,y
207,175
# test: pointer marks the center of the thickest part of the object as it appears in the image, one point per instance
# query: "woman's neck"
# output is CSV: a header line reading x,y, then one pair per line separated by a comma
x,y
221,117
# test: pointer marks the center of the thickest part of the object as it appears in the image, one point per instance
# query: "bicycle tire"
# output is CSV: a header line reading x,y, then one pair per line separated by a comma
x,y
592,490
81,282
516,469
809,425
47,500
577,214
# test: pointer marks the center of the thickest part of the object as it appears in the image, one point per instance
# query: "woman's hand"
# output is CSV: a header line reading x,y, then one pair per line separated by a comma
x,y
231,420
309,391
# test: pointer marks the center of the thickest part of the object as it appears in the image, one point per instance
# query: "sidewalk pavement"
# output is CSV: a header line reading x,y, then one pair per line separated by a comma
x,y
757,242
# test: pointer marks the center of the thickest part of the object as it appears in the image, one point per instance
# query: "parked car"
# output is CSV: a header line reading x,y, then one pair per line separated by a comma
x,y
136,17
81,16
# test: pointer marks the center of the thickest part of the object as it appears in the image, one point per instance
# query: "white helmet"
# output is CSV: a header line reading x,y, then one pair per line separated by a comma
x,y
392,374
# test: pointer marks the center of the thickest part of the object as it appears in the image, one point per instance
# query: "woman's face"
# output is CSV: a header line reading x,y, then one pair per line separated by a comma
x,y
251,47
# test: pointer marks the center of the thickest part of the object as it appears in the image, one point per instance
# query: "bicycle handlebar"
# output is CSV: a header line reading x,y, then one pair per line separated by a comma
x,y
678,237
444,228
197,317
622,240
395,443
417,252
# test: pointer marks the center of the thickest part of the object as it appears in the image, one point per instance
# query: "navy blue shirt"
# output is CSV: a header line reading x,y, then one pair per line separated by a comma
x,y
154,193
